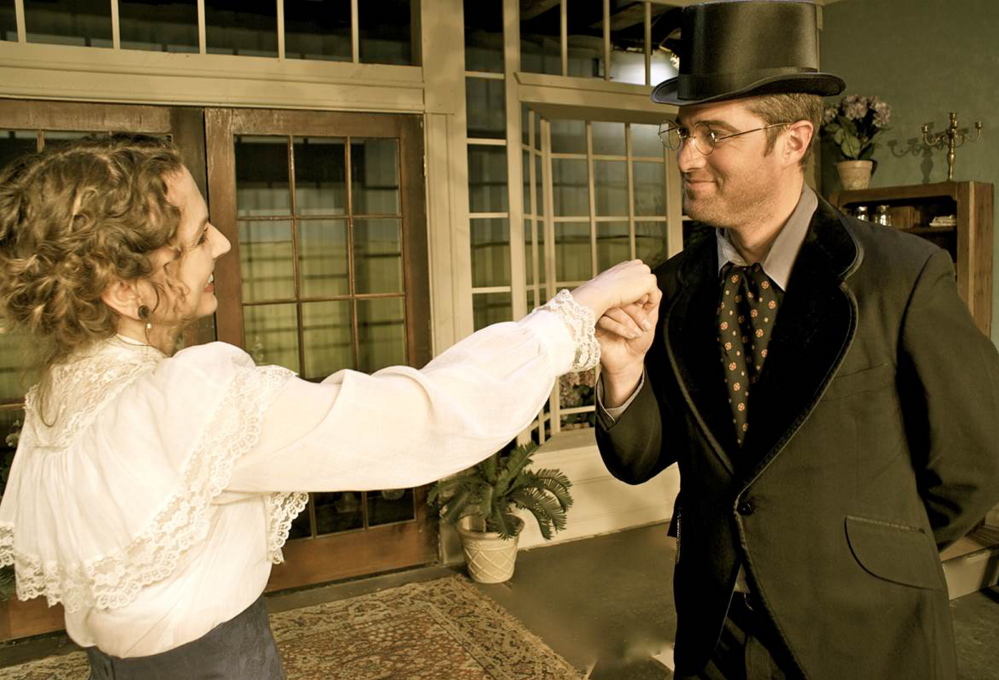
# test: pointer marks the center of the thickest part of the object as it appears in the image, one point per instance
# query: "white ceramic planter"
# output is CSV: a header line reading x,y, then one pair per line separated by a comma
x,y
490,559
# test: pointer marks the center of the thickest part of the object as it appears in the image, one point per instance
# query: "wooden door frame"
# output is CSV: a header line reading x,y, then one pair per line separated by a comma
x,y
381,548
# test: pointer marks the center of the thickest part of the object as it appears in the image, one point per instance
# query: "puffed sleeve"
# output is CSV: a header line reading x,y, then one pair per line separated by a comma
x,y
404,427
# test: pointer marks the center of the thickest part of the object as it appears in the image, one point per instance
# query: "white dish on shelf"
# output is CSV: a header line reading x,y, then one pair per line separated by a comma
x,y
944,221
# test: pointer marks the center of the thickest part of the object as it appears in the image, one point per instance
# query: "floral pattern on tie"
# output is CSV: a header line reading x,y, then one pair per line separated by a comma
x,y
745,320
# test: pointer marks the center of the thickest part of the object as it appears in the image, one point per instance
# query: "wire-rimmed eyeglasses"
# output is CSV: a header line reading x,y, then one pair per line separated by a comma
x,y
674,136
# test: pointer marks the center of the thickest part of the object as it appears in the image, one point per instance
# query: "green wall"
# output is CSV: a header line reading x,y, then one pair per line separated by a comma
x,y
926,58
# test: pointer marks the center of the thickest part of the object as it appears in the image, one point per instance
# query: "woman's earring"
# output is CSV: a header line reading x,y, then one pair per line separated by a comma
x,y
144,315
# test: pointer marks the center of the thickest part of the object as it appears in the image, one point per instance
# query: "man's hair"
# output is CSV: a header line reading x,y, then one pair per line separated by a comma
x,y
788,108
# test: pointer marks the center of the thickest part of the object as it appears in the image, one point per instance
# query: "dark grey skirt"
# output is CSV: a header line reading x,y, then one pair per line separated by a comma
x,y
242,648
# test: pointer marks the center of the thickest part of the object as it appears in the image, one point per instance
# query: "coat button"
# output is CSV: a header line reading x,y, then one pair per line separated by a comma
x,y
746,508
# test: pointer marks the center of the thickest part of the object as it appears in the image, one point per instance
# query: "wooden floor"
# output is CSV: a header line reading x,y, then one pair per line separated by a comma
x,y
604,604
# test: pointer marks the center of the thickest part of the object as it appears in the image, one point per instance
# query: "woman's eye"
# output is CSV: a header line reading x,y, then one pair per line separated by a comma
x,y
203,239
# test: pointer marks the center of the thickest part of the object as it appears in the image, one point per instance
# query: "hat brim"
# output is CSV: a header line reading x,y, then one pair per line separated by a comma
x,y
822,84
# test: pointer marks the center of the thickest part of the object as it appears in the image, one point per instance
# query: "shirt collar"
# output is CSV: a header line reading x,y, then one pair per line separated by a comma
x,y
784,250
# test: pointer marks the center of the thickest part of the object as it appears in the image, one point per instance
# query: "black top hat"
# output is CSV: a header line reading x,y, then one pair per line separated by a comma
x,y
744,48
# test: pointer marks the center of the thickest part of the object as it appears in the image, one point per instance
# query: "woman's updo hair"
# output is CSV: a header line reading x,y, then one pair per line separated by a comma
x,y
74,219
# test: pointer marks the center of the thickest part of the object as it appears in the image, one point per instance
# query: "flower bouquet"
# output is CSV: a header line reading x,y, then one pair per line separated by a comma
x,y
855,124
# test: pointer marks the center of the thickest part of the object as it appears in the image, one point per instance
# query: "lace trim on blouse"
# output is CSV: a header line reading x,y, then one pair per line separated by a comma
x,y
114,580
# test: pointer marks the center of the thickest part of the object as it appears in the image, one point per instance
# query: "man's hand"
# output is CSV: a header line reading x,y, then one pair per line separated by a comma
x,y
625,334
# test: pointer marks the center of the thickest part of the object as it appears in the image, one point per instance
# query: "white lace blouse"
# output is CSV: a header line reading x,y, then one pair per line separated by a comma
x,y
156,501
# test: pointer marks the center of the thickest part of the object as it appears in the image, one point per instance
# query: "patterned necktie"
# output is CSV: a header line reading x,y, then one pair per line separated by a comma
x,y
745,320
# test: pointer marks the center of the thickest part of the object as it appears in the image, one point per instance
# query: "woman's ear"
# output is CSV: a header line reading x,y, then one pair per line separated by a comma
x,y
123,298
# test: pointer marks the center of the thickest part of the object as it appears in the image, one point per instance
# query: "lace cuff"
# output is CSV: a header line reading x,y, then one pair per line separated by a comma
x,y
581,325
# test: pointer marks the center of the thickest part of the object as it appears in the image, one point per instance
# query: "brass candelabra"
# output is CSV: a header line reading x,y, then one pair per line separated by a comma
x,y
952,138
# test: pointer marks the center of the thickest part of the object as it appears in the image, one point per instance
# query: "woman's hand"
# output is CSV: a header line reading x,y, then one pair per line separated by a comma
x,y
622,284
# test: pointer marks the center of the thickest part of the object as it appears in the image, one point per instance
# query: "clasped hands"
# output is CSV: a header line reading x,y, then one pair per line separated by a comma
x,y
625,299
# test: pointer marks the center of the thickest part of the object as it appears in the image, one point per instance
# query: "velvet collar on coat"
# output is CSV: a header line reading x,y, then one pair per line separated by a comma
x,y
813,330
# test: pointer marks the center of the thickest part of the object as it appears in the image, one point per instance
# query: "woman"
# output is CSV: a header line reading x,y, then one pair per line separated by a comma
x,y
152,490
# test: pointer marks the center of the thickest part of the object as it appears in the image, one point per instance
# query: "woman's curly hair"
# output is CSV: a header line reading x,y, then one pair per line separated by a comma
x,y
74,219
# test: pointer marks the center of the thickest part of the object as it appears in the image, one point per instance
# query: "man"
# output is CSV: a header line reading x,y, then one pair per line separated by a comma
x,y
832,407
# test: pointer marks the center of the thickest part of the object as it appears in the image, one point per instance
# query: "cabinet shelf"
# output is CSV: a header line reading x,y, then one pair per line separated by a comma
x,y
911,208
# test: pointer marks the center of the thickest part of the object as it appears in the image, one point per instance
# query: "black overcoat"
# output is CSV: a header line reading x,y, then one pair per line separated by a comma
x,y
873,442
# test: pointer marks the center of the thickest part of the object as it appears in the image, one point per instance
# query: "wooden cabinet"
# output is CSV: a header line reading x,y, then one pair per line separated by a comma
x,y
968,239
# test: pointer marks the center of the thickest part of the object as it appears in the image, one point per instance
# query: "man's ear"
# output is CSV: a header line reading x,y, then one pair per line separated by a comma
x,y
797,140
123,297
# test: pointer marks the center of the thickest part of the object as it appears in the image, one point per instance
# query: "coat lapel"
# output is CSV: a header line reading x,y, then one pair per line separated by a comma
x,y
814,328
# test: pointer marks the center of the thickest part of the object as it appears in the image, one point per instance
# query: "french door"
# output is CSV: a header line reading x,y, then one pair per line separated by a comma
x,y
328,270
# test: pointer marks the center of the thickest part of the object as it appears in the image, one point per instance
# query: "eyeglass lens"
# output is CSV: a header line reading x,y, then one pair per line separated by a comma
x,y
701,135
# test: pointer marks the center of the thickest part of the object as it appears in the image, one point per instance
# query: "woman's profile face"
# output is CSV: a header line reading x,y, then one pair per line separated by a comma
x,y
199,244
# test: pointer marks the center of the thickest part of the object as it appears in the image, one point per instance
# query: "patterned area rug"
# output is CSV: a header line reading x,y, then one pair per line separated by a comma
x,y
438,630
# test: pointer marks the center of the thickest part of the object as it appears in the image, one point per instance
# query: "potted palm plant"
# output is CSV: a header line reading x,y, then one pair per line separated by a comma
x,y
481,503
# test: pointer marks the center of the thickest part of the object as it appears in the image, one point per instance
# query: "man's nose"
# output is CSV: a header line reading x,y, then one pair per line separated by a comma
x,y
688,157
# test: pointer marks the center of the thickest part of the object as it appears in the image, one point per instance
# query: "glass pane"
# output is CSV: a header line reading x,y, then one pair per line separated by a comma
x,y
490,308
8,21
374,167
484,35
490,252
270,335
530,264
572,252
612,244
233,27
60,136
68,22
320,176
14,358
568,136
326,333
650,242
389,506
610,184
262,186
266,259
337,512
10,431
608,138
385,31
540,45
525,175
487,191
14,144
486,108
571,188
381,333
586,54
159,26
539,186
645,140
322,258
317,29
301,526
650,188
378,256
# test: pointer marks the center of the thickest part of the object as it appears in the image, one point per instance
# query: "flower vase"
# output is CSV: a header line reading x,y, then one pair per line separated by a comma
x,y
855,174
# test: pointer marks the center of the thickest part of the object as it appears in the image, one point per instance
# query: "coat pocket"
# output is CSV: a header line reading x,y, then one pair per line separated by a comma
x,y
867,380
895,552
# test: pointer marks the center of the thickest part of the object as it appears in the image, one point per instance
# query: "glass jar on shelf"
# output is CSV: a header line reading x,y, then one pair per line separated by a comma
x,y
861,213
882,216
